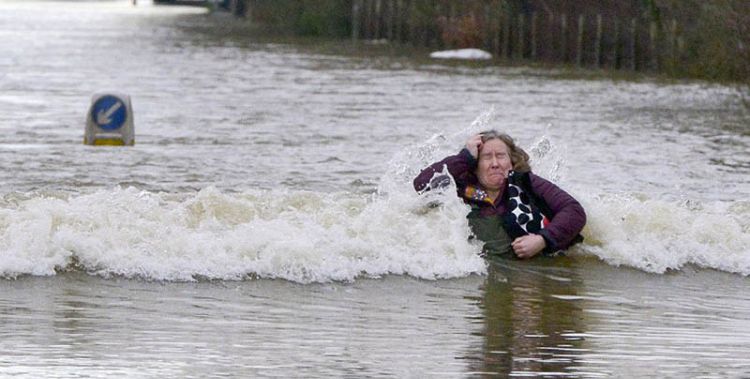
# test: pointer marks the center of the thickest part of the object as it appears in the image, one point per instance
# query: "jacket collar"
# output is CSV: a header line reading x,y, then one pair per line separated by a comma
x,y
474,192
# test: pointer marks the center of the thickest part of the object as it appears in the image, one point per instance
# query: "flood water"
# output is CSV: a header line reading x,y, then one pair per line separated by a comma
x,y
264,223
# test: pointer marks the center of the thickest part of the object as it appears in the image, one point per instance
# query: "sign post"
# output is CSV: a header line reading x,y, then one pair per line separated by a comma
x,y
110,121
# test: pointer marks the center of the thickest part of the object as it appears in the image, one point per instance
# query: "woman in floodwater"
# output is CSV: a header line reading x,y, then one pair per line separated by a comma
x,y
513,211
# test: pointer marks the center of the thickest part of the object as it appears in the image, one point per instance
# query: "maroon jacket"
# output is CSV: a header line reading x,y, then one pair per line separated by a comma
x,y
568,216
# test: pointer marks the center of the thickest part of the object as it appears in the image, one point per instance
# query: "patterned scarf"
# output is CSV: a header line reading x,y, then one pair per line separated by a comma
x,y
524,216
522,211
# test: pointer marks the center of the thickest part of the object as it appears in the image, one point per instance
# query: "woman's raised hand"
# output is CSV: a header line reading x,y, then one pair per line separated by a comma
x,y
473,144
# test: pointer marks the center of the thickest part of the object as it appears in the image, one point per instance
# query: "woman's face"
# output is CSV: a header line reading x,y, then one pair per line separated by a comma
x,y
493,165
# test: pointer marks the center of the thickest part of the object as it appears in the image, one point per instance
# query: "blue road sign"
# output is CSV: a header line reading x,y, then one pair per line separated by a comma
x,y
109,112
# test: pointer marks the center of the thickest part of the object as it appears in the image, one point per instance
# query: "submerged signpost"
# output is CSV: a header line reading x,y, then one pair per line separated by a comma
x,y
110,121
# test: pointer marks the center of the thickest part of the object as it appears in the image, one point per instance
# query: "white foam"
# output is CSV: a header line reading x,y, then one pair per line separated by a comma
x,y
657,235
298,236
307,236
634,230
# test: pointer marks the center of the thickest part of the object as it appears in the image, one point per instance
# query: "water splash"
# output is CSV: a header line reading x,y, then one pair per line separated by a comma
x,y
307,236
657,236
298,236
547,160
406,165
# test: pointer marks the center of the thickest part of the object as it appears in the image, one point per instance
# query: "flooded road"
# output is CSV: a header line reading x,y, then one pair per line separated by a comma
x,y
264,222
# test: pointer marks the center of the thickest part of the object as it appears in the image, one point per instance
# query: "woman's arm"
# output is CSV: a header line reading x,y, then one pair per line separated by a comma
x,y
569,216
459,166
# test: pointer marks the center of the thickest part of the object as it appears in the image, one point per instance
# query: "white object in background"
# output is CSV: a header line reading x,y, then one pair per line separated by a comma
x,y
461,54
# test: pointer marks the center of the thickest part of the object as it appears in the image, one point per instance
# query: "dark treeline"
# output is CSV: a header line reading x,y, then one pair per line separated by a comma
x,y
683,38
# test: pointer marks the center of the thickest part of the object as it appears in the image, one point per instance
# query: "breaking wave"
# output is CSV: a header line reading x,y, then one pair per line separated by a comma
x,y
305,236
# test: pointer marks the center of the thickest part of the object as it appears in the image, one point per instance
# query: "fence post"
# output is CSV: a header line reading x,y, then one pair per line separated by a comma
x,y
673,44
680,46
365,9
549,36
633,38
506,35
616,45
598,40
368,19
435,40
378,18
579,55
399,19
389,15
533,36
409,26
563,37
494,21
487,29
356,8
247,9
654,35
520,51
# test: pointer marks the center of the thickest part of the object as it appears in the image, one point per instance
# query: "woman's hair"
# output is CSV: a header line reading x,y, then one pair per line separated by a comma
x,y
518,157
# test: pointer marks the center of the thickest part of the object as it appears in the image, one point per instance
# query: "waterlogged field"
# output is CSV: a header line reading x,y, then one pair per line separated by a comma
x,y
264,222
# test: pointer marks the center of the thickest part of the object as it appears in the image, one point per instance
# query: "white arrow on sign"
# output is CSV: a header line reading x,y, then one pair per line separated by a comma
x,y
103,117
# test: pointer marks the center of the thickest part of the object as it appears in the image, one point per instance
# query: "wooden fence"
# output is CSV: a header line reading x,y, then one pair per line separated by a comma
x,y
585,40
